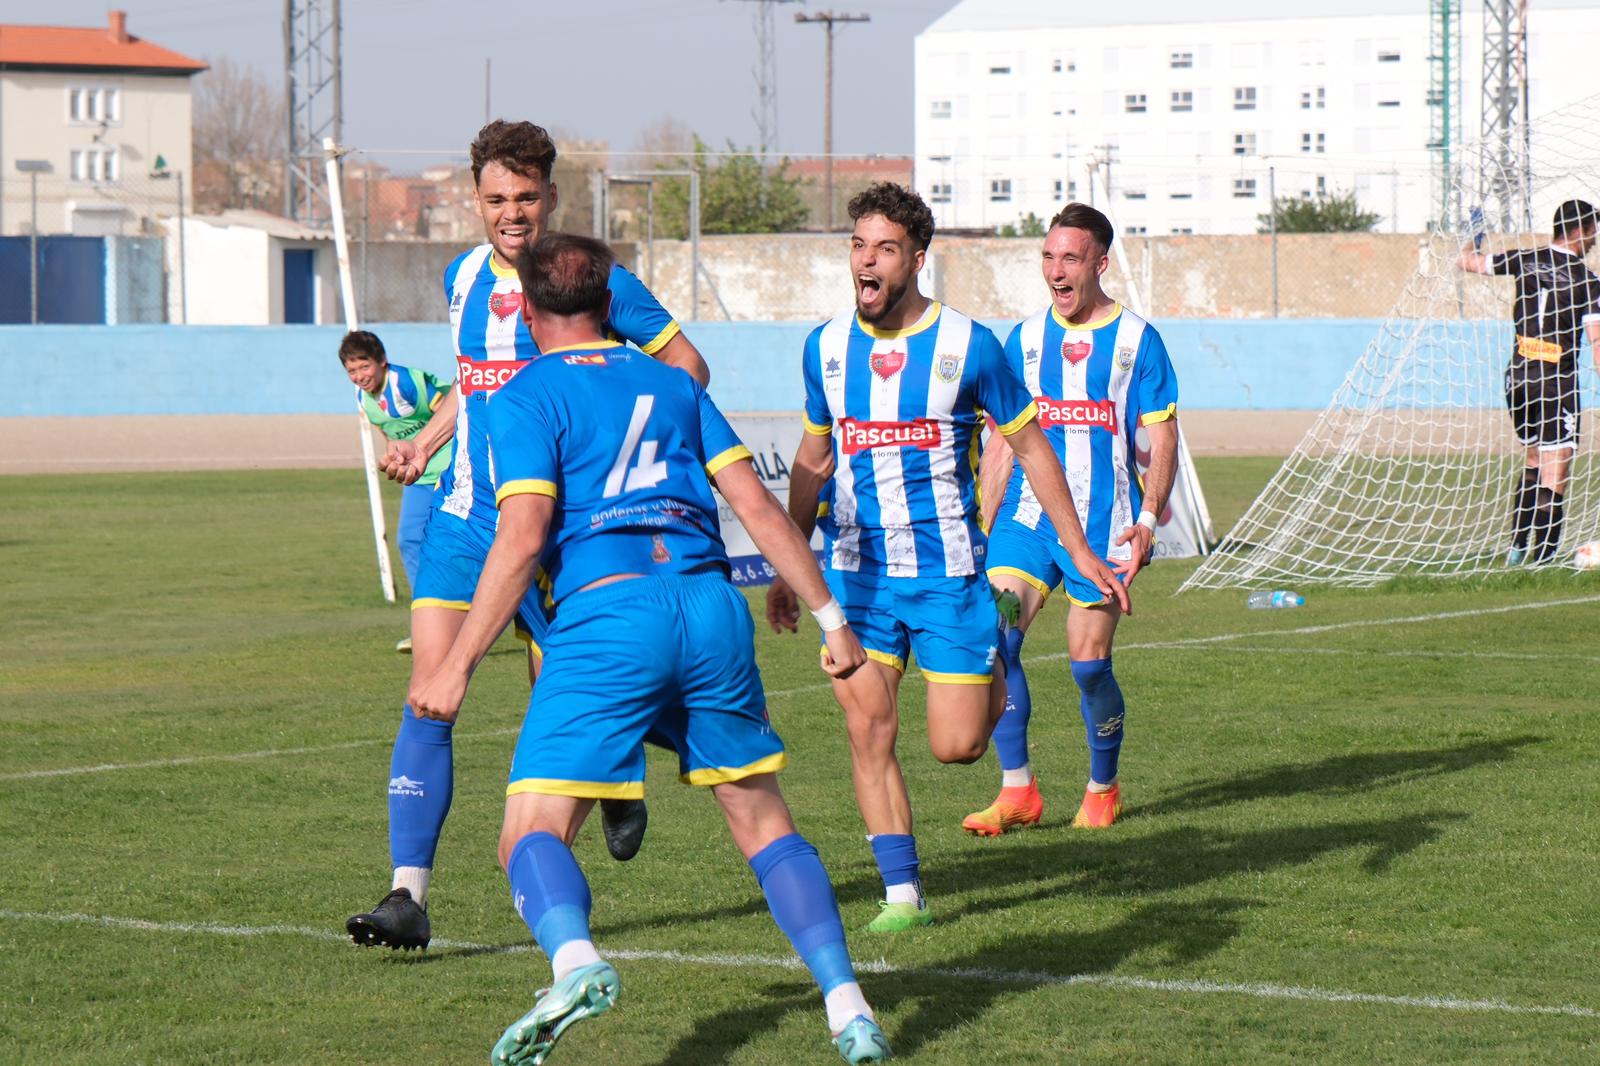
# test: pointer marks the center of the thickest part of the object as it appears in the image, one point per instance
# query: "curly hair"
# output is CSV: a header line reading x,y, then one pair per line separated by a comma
x,y
899,205
1084,217
520,147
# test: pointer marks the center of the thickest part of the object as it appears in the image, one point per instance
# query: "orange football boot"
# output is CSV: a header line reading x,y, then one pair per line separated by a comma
x,y
1099,809
1017,807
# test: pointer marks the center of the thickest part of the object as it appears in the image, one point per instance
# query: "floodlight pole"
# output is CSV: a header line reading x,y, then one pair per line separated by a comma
x,y
827,20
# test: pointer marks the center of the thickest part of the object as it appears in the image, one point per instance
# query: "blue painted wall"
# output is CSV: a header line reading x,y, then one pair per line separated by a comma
x,y
145,370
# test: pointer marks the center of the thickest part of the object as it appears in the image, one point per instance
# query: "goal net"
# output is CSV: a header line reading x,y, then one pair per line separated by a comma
x,y
1411,468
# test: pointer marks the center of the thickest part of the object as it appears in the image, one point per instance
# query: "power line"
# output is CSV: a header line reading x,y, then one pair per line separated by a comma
x,y
827,20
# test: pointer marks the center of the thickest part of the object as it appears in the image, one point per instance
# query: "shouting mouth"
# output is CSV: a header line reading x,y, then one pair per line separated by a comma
x,y
515,237
869,290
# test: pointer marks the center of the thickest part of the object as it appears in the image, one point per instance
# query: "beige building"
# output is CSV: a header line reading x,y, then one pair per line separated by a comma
x,y
100,120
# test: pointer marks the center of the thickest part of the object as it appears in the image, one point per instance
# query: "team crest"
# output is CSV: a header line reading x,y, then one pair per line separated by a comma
x,y
948,367
886,364
1076,352
505,304
1125,358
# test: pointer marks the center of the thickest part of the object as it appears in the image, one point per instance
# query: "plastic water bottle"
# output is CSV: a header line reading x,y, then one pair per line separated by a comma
x,y
1260,601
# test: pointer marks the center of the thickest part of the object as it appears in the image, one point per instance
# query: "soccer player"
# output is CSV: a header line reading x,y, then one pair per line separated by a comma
x,y
603,464
895,394
511,164
1558,299
1097,372
398,401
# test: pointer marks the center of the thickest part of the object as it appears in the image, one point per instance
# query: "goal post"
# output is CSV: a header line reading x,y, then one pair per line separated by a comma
x,y
369,460
1411,468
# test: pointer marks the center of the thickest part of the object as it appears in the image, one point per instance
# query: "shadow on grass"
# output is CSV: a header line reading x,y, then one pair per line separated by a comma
x,y
1338,774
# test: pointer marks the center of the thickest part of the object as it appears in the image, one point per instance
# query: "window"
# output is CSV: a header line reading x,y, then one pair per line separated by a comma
x,y
1055,66
1182,231
1182,100
1313,141
938,159
1133,194
1185,195
940,109
1000,191
1322,185
95,164
1135,231
1322,142
1317,98
940,192
999,70
1133,103
1388,55
1244,144
1058,188
1244,188
1181,60
85,104
1388,103
1244,99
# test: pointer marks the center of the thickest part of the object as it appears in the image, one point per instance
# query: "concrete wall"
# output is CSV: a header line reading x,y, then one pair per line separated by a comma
x,y
156,370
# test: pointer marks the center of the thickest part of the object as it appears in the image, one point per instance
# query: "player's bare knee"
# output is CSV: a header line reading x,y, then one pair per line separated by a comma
x,y
963,750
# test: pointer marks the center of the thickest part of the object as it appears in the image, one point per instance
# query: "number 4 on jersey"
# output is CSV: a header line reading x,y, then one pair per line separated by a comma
x,y
648,470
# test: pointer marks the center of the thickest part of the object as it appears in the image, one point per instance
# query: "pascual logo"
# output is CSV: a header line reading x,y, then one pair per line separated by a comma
x,y
1086,413
404,786
486,376
920,433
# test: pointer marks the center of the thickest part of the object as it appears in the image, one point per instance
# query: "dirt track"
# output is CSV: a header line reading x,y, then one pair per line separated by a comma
x,y
254,442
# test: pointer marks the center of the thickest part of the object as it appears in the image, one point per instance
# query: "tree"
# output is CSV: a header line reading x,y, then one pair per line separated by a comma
x,y
239,132
738,194
1028,225
1336,212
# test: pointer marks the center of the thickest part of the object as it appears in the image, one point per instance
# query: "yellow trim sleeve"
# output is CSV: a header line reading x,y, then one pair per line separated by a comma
x,y
1029,413
934,677
815,429
449,605
600,790
725,459
1159,416
1022,576
525,486
721,775
659,341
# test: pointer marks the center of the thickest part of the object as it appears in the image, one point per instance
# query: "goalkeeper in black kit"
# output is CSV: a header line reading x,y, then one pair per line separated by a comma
x,y
1557,302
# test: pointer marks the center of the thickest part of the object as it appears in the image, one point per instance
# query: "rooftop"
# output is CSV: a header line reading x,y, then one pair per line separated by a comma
x,y
108,47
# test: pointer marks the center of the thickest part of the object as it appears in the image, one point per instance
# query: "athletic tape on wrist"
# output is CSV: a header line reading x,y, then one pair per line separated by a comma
x,y
1147,520
830,616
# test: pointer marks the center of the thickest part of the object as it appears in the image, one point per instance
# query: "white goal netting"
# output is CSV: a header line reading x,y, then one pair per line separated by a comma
x,y
1411,467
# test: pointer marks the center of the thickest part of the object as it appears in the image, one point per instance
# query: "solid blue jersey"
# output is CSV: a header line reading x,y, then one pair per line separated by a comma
x,y
625,445
1094,385
905,410
492,343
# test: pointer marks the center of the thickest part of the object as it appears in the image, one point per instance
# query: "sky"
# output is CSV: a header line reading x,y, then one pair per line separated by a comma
x,y
595,69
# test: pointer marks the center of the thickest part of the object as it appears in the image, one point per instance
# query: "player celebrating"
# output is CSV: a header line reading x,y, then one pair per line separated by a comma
x,y
1098,372
895,395
601,462
1558,297
511,164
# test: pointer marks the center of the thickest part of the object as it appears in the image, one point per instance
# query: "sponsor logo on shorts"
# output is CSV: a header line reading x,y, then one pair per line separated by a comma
x,y
886,364
1077,413
505,304
921,433
949,367
485,376
1076,352
404,786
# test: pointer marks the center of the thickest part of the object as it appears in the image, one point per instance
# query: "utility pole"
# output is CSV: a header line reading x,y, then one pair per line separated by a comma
x,y
766,72
313,103
1105,156
827,19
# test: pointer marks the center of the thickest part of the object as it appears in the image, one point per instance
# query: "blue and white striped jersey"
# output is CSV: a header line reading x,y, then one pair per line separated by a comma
x,y
1094,385
492,343
905,410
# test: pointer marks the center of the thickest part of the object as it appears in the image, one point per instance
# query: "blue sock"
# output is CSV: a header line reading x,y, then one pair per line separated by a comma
x,y
801,899
1102,716
421,780
549,891
896,854
1011,732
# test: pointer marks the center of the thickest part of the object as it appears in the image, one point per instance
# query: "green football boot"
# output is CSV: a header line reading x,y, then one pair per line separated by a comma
x,y
583,993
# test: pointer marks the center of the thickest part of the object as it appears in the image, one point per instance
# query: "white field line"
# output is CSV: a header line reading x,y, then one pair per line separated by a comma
x,y
1180,986
1168,645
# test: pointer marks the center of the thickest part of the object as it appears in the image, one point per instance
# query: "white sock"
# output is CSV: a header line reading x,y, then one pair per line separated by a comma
x,y
844,1003
571,955
415,880
1095,786
1017,778
909,892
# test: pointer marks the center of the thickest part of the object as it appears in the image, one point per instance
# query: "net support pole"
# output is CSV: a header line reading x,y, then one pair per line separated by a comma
x,y
347,293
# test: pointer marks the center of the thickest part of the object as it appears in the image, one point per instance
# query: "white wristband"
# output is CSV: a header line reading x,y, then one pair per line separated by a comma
x,y
830,616
1147,520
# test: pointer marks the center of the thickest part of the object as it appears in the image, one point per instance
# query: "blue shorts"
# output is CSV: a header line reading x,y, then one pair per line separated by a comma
x,y
670,658
949,622
1038,559
453,552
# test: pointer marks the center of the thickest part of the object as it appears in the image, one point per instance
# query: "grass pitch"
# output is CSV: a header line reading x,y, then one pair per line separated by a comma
x,y
1359,832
